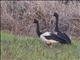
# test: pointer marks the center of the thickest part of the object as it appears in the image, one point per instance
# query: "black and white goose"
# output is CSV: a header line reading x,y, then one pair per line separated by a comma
x,y
46,37
50,38
63,36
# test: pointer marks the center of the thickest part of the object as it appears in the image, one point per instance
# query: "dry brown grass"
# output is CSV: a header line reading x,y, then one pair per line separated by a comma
x,y
17,16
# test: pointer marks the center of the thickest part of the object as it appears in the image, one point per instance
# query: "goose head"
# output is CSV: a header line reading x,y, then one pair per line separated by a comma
x,y
55,14
35,21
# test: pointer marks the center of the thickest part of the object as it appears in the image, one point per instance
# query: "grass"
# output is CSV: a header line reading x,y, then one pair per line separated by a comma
x,y
29,48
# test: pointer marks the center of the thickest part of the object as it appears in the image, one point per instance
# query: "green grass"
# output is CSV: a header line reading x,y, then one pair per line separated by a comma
x,y
29,48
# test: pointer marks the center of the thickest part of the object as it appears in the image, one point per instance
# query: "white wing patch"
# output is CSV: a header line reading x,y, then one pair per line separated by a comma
x,y
46,34
46,40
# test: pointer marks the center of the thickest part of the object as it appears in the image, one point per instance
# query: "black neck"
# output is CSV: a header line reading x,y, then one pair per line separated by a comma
x,y
56,27
37,30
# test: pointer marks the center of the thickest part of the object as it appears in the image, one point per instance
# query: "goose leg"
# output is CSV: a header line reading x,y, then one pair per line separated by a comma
x,y
49,44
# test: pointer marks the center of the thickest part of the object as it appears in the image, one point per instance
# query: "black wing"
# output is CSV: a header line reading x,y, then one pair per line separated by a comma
x,y
53,37
65,37
56,38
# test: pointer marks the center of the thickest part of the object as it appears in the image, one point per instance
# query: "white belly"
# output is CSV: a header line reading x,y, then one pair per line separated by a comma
x,y
51,41
48,41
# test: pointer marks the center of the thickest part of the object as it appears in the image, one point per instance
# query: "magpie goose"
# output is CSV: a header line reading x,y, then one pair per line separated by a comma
x,y
46,37
60,35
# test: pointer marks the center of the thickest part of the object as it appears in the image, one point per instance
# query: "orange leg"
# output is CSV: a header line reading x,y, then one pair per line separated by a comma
x,y
49,44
